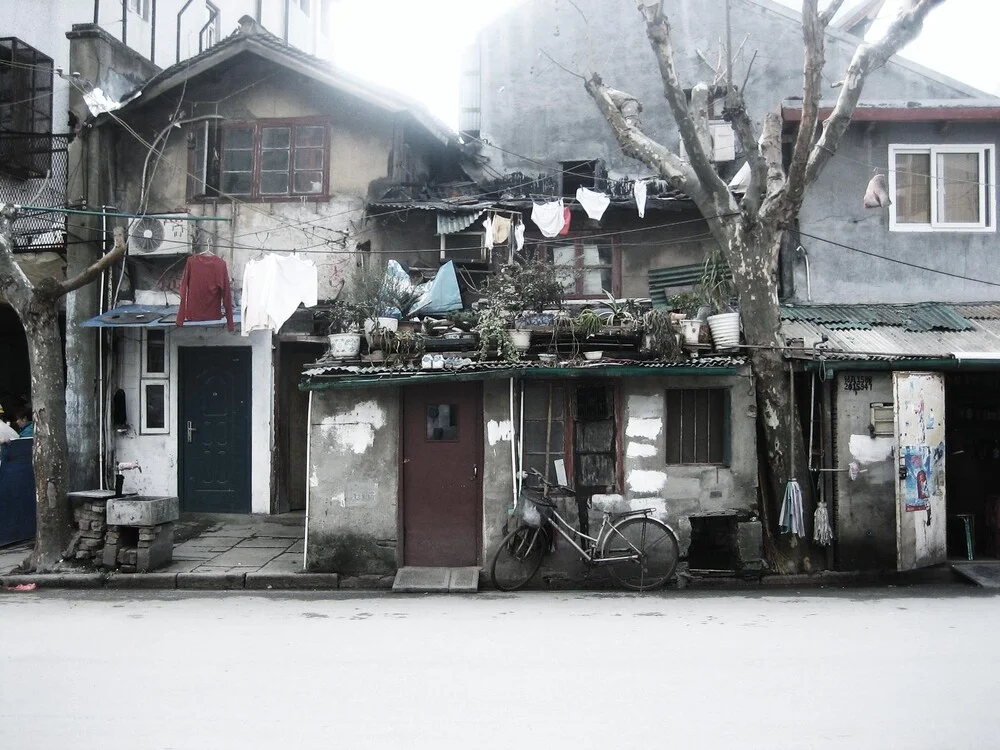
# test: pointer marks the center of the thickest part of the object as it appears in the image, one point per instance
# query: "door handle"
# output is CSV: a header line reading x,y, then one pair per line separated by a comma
x,y
190,432
475,472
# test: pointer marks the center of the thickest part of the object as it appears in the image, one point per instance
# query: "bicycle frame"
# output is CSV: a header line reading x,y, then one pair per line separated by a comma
x,y
570,534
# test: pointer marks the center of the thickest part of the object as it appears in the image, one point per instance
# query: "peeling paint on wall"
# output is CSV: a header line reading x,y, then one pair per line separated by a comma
x,y
868,450
499,431
648,482
645,406
314,480
648,428
640,450
354,430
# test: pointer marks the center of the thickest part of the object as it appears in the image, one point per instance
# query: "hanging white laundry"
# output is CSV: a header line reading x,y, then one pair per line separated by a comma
x,y
257,277
549,217
519,236
488,238
594,203
501,229
639,191
273,287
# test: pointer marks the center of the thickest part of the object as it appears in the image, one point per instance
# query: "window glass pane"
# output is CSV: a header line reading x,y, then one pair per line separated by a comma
x,y
236,183
274,138
239,138
309,158
156,360
442,421
271,160
308,182
913,188
156,415
564,259
310,135
238,161
958,188
274,183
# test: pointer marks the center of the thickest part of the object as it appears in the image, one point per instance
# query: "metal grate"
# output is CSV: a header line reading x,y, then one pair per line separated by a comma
x,y
36,171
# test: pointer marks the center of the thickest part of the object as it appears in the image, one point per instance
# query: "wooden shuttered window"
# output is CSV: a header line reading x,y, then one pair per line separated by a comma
x,y
697,426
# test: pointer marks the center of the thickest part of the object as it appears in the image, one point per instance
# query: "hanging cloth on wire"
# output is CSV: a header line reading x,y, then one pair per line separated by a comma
x,y
488,237
519,236
790,518
550,217
567,215
594,203
501,229
273,288
206,293
639,191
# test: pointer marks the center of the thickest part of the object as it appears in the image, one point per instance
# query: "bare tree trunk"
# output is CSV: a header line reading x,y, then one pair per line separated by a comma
x,y
48,398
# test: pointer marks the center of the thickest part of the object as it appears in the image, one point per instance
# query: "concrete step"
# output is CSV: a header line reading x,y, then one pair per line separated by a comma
x,y
984,574
414,580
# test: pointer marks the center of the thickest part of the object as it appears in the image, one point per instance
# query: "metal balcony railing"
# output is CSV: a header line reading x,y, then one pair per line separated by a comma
x,y
34,169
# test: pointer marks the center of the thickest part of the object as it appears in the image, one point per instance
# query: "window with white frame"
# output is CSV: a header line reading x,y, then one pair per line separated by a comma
x,y
154,353
154,408
942,188
140,8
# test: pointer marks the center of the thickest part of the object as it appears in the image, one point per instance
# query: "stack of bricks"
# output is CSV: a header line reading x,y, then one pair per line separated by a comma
x,y
138,549
91,523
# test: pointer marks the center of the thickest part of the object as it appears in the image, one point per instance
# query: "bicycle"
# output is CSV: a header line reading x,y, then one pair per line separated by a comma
x,y
641,552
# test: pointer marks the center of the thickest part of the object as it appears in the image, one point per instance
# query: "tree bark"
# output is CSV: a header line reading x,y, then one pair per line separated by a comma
x,y
37,307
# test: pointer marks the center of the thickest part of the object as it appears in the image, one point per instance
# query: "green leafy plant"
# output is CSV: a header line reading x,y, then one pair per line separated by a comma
x,y
523,287
340,316
685,302
620,312
588,323
716,287
379,295
659,327
494,337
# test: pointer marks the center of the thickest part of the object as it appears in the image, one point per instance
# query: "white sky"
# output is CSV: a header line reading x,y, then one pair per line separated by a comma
x,y
414,46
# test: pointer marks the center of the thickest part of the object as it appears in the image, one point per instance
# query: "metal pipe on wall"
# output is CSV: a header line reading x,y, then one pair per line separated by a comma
x,y
309,413
179,14
125,22
152,34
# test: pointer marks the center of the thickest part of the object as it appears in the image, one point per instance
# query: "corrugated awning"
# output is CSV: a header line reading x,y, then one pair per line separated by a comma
x,y
451,223
147,316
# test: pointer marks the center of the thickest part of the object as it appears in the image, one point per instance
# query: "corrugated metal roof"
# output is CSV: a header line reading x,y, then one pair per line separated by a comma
x,y
888,342
451,223
923,316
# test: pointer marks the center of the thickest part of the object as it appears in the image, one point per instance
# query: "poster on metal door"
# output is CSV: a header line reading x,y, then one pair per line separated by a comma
x,y
917,489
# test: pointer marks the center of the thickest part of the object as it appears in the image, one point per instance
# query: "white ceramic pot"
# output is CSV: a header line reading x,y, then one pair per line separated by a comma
x,y
521,339
690,330
344,345
725,329
386,324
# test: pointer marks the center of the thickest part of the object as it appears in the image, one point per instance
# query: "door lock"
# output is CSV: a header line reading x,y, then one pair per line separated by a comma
x,y
190,432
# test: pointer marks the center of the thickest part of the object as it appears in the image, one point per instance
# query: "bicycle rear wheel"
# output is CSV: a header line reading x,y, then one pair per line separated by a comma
x,y
518,558
652,541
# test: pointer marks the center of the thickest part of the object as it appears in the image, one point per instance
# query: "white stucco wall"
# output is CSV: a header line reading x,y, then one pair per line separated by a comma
x,y
157,454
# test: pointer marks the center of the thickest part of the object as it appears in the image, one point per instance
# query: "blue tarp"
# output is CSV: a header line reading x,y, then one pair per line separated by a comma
x,y
17,498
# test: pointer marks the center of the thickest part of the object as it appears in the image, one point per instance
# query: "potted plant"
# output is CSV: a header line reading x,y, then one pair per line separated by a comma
x,y
343,321
587,323
376,295
684,307
661,335
495,336
718,292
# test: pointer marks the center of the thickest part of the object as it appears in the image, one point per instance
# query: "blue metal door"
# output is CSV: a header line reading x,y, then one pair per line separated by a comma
x,y
17,492
214,429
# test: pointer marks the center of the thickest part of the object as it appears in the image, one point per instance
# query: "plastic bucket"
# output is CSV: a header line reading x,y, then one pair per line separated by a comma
x,y
725,329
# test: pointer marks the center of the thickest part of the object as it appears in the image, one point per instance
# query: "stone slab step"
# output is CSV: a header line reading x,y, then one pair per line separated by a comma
x,y
413,580
985,574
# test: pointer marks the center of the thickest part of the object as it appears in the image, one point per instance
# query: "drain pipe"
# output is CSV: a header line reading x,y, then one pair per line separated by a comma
x,y
309,414
101,403
513,448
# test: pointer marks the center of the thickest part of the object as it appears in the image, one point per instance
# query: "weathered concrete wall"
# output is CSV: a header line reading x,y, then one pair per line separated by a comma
x,y
865,507
157,454
678,491
353,481
498,469
533,108
833,210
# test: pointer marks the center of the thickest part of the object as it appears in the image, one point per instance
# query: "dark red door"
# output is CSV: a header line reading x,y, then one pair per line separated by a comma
x,y
442,449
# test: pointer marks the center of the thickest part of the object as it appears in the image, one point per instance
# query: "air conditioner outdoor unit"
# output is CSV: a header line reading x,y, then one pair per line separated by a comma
x,y
163,234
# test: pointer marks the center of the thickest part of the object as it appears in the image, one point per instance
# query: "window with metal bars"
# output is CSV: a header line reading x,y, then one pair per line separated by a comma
x,y
697,426
25,109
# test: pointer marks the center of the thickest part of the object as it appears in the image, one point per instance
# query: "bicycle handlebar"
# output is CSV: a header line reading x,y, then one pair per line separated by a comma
x,y
551,485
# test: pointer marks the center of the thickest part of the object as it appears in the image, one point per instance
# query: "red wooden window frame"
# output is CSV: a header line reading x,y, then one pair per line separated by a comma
x,y
542,246
257,127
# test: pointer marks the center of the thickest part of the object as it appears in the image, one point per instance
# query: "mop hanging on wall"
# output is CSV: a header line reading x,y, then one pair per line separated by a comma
x,y
791,517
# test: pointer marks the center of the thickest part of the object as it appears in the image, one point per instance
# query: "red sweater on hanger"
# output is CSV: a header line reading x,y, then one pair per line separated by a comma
x,y
205,290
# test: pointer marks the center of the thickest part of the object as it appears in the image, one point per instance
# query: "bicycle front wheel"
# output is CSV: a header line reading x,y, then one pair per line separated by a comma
x,y
518,558
651,542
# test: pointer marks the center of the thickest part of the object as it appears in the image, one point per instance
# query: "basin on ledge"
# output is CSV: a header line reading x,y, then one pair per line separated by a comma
x,y
143,510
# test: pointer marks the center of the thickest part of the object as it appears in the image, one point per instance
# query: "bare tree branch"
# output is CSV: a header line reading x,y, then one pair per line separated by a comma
x,y
658,32
560,65
16,287
867,58
827,15
94,269
638,145
813,32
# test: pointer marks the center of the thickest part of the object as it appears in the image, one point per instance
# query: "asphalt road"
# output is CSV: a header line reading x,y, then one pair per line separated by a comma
x,y
897,668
